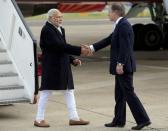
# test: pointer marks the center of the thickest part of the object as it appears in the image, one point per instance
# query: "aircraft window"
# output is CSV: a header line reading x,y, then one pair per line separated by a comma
x,y
144,13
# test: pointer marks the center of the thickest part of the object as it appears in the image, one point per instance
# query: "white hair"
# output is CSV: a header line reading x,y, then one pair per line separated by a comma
x,y
51,12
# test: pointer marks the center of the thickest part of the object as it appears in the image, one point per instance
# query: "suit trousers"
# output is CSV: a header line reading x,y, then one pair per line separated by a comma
x,y
70,102
124,93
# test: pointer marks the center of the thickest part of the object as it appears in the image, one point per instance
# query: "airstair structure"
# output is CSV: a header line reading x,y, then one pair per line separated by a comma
x,y
18,65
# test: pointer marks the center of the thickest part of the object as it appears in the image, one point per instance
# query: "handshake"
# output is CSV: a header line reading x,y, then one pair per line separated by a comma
x,y
86,50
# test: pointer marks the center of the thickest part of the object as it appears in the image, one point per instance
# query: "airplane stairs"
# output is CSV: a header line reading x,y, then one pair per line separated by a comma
x,y
18,63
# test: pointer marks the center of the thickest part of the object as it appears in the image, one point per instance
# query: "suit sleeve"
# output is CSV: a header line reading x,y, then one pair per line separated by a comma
x,y
124,44
53,43
71,59
103,43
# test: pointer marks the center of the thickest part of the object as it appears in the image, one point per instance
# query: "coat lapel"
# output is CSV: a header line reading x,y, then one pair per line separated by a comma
x,y
115,32
63,33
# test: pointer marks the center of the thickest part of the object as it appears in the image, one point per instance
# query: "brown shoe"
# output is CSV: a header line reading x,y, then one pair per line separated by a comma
x,y
42,123
80,122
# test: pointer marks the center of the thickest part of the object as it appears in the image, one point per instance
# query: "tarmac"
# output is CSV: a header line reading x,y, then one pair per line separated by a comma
x,y
94,91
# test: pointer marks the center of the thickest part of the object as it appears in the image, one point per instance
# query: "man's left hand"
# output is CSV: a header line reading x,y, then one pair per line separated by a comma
x,y
119,69
77,62
34,99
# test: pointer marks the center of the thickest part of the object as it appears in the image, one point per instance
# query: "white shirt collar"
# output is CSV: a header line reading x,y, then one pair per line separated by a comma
x,y
118,20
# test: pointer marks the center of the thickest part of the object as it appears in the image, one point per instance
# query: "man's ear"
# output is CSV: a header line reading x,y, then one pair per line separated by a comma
x,y
49,18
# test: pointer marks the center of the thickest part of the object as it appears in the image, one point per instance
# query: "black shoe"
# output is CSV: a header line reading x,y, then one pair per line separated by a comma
x,y
114,125
140,126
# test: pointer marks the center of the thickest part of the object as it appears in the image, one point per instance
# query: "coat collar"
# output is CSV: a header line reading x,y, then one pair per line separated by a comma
x,y
56,30
119,22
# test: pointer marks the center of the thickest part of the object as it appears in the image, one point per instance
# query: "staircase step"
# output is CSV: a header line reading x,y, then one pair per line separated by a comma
x,y
12,80
5,62
2,50
8,74
11,94
3,56
6,67
1,46
17,100
11,87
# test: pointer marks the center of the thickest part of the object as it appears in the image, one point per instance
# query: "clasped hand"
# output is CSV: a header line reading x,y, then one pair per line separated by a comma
x,y
86,51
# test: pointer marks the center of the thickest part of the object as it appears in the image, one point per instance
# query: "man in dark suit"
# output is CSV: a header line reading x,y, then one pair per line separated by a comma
x,y
123,66
56,68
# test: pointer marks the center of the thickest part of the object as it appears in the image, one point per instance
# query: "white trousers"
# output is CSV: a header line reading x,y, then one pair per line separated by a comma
x,y
70,102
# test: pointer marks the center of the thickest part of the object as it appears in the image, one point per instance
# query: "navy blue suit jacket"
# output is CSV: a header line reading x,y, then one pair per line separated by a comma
x,y
122,42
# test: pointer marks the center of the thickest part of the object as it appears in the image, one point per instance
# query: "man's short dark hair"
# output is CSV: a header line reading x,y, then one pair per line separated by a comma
x,y
119,8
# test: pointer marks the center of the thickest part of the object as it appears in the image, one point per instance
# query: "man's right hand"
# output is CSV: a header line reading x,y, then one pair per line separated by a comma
x,y
86,51
119,69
